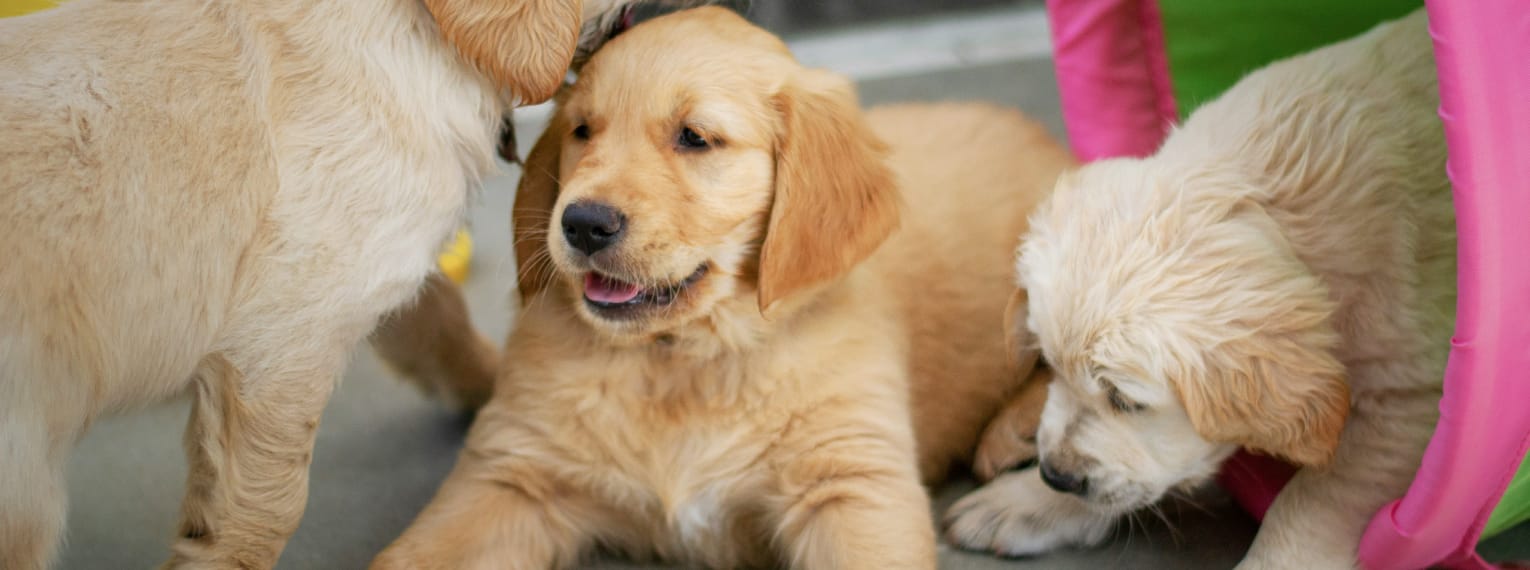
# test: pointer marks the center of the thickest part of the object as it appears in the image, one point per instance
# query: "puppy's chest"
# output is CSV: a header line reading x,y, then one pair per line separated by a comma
x,y
697,480
701,478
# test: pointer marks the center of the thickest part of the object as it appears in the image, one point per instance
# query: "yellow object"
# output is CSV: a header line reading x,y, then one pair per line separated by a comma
x,y
457,257
10,8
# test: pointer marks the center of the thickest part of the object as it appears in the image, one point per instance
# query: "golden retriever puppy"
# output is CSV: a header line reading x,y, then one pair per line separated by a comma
x,y
1278,277
745,338
223,197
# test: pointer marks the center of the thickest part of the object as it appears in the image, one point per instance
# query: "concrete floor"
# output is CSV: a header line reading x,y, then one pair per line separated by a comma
x,y
383,449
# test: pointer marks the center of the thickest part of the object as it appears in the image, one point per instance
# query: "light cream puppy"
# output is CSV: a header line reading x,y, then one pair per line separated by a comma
x,y
1278,277
755,317
223,197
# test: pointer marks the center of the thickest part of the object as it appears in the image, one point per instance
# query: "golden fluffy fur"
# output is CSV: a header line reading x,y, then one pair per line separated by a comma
x,y
224,196
832,331
1279,277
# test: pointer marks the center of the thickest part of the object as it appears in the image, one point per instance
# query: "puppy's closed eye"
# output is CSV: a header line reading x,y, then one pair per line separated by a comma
x,y
689,139
1120,403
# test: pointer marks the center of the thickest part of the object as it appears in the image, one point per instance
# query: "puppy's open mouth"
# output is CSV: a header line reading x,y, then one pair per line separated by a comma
x,y
613,298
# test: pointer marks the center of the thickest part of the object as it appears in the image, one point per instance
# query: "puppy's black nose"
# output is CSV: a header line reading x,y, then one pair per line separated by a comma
x,y
590,227
1064,482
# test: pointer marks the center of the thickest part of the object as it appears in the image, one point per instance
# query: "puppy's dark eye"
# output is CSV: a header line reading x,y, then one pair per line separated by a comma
x,y
691,139
582,132
1120,403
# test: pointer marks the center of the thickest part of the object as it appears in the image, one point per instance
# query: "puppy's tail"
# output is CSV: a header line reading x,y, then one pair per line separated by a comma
x,y
432,344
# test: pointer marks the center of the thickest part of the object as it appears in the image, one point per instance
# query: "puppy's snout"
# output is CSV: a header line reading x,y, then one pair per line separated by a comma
x,y
1064,481
591,226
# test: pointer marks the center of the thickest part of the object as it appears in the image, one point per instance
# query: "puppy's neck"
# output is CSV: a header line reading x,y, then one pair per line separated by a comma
x,y
736,328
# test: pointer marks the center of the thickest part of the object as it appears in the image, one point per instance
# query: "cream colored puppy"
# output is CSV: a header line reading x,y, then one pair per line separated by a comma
x,y
754,319
223,197
1278,277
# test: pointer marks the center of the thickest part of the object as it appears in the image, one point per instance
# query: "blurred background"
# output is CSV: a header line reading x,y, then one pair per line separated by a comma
x,y
788,17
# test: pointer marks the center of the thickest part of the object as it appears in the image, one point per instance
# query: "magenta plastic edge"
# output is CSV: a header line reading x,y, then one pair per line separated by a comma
x,y
1480,47
1112,76
1150,18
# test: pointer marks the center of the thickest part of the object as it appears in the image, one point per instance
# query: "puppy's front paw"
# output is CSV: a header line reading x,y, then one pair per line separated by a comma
x,y
1009,441
1018,515
1003,450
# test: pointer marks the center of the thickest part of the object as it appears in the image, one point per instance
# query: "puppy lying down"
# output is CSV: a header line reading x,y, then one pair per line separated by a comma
x,y
753,319
1279,277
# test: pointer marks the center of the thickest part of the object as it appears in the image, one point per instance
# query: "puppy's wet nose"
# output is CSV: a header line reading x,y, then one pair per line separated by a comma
x,y
1063,481
590,226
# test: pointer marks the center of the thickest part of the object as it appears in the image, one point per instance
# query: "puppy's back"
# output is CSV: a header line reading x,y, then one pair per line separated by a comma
x,y
1314,125
1348,133
970,175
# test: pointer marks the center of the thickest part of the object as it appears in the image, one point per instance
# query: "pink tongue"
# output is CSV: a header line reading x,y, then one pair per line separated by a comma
x,y
602,289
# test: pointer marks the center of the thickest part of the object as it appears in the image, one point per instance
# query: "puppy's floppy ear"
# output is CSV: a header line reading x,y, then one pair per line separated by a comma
x,y
524,46
835,200
1281,396
531,218
1019,343
1271,382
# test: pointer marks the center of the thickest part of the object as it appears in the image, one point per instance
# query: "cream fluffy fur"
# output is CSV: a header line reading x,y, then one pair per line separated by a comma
x,y
224,197
1279,277
702,431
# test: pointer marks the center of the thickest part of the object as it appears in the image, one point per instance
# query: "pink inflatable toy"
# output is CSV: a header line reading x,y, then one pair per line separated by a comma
x,y
1118,99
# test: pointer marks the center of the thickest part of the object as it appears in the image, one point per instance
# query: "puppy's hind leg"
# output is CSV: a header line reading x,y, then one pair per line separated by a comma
x,y
432,343
249,443
33,501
